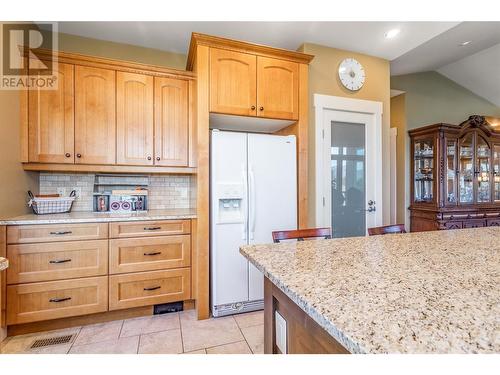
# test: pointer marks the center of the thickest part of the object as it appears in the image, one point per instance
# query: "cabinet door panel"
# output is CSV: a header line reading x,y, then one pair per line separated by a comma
x,y
277,88
171,122
95,116
51,120
134,119
232,82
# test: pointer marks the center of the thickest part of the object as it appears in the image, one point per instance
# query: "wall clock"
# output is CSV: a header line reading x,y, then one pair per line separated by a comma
x,y
352,74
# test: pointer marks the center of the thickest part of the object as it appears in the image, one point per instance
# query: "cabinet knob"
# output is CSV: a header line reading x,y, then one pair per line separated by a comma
x,y
67,154
261,108
78,155
149,157
158,158
252,108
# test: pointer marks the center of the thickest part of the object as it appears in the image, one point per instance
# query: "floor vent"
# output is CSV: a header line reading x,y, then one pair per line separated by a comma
x,y
51,341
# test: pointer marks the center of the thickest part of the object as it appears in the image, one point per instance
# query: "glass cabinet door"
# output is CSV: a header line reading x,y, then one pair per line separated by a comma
x,y
483,156
424,170
466,169
496,173
451,171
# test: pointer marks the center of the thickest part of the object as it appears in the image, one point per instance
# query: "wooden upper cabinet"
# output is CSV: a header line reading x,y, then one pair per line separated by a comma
x,y
171,122
277,88
134,119
95,121
51,120
233,82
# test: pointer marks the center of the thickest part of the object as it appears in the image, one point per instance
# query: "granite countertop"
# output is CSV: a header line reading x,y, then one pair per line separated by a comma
x,y
429,292
100,217
4,264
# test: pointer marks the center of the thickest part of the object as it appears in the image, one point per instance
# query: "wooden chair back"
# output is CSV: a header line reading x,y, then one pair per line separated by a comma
x,y
300,234
388,229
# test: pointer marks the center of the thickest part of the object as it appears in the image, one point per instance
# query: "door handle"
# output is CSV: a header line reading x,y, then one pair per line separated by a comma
x,y
59,299
153,253
60,233
58,261
244,235
152,288
152,228
251,178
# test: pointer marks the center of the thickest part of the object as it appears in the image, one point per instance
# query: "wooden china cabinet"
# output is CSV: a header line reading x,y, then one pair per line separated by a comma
x,y
455,174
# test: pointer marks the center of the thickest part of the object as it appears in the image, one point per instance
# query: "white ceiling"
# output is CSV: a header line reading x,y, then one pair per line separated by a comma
x,y
363,37
480,73
420,46
445,48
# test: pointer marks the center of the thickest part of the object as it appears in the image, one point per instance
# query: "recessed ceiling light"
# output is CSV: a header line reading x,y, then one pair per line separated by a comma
x,y
391,33
463,44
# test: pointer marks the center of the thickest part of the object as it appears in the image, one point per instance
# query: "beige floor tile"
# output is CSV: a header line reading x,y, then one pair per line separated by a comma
x,y
240,347
126,345
250,319
201,351
21,344
150,324
255,338
109,331
199,334
166,342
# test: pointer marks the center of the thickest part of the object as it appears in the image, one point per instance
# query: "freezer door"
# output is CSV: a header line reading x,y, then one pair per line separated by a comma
x,y
272,186
228,268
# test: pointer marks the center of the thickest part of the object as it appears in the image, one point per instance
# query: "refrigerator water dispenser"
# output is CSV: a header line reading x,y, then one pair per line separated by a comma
x,y
230,207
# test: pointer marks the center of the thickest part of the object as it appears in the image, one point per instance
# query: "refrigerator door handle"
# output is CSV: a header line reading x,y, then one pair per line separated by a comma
x,y
251,199
245,203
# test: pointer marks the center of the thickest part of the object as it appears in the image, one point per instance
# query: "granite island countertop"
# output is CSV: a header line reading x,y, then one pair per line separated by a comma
x,y
100,217
428,292
4,264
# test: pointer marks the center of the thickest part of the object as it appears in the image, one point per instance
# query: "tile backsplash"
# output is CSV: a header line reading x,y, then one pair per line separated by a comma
x,y
165,191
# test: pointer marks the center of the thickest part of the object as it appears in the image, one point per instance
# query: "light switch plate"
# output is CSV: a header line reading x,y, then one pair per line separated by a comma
x,y
281,332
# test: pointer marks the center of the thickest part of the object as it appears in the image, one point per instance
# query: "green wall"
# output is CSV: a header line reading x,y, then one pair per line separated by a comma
x,y
432,98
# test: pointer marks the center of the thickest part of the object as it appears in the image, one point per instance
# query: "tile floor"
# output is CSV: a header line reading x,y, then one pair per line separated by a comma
x,y
161,334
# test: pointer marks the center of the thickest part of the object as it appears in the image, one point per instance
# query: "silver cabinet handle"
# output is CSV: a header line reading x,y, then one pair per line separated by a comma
x,y
152,228
60,233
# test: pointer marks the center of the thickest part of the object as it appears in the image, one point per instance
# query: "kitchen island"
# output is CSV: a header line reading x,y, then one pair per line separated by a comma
x,y
428,292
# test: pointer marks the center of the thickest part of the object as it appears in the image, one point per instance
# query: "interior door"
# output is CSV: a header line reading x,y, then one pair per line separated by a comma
x,y
134,119
171,122
352,173
51,120
232,82
95,115
277,88
272,181
229,269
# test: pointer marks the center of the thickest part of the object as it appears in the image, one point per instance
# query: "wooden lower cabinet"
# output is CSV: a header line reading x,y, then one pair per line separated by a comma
x,y
149,288
149,228
149,253
56,261
56,232
56,299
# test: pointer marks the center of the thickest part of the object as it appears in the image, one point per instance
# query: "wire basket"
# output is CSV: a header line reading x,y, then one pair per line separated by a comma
x,y
55,205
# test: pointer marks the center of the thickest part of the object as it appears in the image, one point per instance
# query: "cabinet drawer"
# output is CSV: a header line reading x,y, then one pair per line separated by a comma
x,y
56,232
149,288
474,223
56,299
149,253
56,261
149,228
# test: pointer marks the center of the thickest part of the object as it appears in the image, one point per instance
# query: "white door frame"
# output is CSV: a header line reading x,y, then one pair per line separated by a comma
x,y
324,105
394,175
